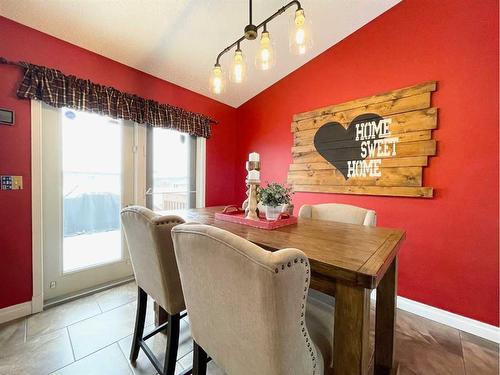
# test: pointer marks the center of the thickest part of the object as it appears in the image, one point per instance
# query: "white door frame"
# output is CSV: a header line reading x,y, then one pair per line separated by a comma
x,y
36,194
201,165
36,206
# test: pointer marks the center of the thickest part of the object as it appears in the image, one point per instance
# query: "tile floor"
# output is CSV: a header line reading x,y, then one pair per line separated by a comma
x,y
92,336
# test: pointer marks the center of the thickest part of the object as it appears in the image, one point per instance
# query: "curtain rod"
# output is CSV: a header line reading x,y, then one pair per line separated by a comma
x,y
3,60
22,65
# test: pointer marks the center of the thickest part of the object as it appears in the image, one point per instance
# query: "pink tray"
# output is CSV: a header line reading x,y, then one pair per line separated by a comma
x,y
239,217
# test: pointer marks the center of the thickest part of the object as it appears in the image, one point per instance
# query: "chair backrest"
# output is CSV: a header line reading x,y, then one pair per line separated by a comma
x,y
246,305
152,254
343,213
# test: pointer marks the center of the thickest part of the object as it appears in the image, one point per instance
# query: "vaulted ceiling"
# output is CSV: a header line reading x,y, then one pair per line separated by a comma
x,y
178,40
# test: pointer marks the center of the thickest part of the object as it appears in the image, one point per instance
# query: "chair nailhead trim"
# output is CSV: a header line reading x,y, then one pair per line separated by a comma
x,y
169,222
303,306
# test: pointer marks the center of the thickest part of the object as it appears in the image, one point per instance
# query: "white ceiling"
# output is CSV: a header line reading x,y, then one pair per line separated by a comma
x,y
178,40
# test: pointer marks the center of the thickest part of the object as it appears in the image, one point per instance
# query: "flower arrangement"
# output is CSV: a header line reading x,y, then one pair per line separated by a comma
x,y
275,194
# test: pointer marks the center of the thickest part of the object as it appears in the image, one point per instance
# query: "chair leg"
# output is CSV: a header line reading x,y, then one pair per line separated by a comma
x,y
140,318
172,344
199,360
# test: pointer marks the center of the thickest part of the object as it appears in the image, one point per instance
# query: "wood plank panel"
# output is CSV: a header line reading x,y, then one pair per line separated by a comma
x,y
322,167
415,161
422,135
407,176
391,95
397,191
421,148
424,119
386,109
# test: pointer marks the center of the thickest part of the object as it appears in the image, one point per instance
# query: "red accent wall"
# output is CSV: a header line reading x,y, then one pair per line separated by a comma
x,y
19,42
450,257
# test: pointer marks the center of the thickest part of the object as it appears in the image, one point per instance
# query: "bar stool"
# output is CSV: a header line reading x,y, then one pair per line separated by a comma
x,y
155,268
246,305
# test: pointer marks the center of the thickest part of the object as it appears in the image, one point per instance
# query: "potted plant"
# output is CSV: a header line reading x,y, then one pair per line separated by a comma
x,y
273,197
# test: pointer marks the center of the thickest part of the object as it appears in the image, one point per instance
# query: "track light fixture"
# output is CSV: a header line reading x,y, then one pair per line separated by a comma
x,y
300,40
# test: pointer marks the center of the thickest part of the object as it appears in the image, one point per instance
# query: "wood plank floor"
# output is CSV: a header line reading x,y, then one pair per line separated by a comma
x,y
92,335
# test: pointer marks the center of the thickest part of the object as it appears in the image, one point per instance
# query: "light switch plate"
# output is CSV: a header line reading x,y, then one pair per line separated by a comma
x,y
11,182
17,182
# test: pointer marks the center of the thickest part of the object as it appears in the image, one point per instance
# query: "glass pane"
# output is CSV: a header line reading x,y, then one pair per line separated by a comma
x,y
92,166
170,170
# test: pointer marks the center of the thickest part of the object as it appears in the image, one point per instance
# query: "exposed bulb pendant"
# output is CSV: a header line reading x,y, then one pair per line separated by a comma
x,y
300,41
217,81
264,60
238,67
300,34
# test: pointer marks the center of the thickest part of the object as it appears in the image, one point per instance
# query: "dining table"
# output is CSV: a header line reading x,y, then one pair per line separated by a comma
x,y
348,261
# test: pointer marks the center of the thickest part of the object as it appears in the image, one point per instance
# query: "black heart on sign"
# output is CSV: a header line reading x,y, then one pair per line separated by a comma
x,y
338,144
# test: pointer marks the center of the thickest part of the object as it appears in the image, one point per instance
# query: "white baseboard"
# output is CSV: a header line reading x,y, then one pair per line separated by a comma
x,y
16,311
475,327
37,304
460,322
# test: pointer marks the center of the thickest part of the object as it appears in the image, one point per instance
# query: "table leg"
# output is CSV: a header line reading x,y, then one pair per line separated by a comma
x,y
351,334
385,322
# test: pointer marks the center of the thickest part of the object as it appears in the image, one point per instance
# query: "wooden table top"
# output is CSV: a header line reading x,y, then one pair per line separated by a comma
x,y
353,253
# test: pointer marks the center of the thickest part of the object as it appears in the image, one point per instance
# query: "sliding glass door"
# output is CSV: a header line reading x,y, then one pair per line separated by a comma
x,y
88,176
171,170
92,166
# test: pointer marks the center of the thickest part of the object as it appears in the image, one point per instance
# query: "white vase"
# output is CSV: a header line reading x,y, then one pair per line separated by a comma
x,y
272,213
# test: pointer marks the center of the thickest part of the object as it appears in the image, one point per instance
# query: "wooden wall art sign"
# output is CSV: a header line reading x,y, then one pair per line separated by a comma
x,y
375,146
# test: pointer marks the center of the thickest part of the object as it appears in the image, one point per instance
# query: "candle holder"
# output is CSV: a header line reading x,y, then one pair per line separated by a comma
x,y
250,204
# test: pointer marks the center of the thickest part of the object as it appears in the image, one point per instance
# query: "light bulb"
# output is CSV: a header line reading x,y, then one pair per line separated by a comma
x,y
300,34
217,81
238,68
264,60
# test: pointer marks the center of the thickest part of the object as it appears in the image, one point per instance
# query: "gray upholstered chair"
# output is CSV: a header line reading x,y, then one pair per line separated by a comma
x,y
343,213
246,305
153,260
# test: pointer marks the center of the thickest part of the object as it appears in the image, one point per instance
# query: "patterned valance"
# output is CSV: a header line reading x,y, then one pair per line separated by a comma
x,y
59,90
